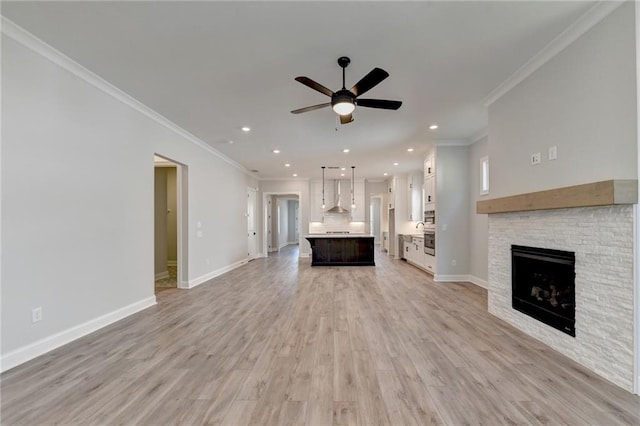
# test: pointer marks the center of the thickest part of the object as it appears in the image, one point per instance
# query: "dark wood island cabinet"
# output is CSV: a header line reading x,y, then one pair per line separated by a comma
x,y
341,250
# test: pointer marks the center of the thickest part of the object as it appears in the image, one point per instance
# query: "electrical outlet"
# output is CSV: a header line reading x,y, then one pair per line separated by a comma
x,y
36,314
454,262
535,158
553,153
199,233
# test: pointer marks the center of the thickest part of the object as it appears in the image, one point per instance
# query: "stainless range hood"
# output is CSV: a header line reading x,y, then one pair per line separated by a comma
x,y
337,209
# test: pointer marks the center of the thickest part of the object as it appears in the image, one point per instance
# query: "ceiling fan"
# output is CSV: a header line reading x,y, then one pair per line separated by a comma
x,y
344,101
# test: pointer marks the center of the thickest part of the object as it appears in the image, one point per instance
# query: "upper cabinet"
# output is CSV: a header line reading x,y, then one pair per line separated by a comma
x,y
391,193
430,182
414,196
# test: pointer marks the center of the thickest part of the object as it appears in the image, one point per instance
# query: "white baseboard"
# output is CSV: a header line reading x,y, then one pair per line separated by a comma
x,y
206,277
461,278
162,275
33,350
301,254
172,263
478,281
450,278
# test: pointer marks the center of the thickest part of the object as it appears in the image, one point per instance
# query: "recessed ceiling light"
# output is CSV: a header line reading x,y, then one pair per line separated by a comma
x,y
287,165
433,126
276,151
395,164
410,149
229,142
341,174
343,169
246,128
295,175
385,174
345,150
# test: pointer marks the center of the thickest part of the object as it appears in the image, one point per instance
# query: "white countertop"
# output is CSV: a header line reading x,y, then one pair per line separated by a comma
x,y
339,236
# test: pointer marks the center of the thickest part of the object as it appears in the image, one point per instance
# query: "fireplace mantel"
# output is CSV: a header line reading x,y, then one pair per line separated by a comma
x,y
605,193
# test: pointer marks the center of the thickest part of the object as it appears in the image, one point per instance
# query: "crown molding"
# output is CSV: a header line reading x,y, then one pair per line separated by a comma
x,y
583,24
479,135
453,142
30,41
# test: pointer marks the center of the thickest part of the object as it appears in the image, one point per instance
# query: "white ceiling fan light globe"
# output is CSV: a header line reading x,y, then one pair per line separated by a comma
x,y
344,108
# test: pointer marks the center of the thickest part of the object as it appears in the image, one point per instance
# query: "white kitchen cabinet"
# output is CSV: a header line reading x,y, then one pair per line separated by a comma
x,y
416,252
429,166
430,263
391,193
414,197
429,193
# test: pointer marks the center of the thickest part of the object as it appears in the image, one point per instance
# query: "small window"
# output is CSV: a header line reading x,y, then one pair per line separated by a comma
x,y
484,175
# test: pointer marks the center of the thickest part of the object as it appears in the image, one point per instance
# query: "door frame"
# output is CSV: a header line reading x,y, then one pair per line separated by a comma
x,y
265,216
181,218
256,254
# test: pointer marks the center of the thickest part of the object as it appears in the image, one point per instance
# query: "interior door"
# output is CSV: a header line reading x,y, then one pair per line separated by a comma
x,y
251,222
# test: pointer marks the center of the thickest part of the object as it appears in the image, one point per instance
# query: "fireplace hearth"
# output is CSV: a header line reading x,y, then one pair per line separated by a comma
x,y
543,285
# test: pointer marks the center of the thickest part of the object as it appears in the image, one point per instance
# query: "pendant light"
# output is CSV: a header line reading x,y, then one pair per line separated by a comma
x,y
353,200
323,205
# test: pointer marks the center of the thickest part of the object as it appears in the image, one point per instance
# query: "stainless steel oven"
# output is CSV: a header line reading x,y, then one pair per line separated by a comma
x,y
429,217
430,241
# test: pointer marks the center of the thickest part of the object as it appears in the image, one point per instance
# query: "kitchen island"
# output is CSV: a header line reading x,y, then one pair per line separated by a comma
x,y
341,249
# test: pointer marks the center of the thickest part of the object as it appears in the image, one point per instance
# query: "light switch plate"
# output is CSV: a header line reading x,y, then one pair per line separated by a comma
x,y
553,153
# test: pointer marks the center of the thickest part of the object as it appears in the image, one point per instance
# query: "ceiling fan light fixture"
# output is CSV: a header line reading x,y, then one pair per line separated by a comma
x,y
344,107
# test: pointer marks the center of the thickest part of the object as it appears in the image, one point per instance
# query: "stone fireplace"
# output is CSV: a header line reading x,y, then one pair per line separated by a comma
x,y
601,240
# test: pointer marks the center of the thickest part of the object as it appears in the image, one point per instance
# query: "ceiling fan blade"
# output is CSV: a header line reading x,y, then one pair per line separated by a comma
x,y
378,103
310,108
315,86
346,119
369,81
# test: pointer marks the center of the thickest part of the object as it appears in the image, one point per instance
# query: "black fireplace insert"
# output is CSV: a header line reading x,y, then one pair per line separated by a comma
x,y
543,285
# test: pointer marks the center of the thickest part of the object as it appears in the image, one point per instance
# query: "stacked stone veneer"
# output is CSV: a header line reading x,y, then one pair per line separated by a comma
x,y
602,239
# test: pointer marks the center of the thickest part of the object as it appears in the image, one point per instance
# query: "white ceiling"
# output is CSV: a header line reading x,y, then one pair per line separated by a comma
x,y
213,67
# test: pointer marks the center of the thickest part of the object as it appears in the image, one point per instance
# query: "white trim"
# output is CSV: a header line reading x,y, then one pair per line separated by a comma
x,y
593,16
439,278
297,179
30,41
479,135
161,275
636,231
636,303
33,350
206,277
453,142
478,281
172,263
304,255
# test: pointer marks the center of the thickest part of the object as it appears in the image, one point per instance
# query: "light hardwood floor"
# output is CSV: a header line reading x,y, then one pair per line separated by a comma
x,y
278,342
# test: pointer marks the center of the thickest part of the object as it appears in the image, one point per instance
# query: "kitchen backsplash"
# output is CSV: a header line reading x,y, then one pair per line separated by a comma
x,y
336,223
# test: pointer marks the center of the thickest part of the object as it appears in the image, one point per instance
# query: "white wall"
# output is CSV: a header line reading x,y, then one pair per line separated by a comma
x,y
172,219
478,223
584,102
78,203
452,211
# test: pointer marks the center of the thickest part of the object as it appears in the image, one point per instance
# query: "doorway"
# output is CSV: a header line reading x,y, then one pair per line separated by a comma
x,y
281,225
169,211
375,213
